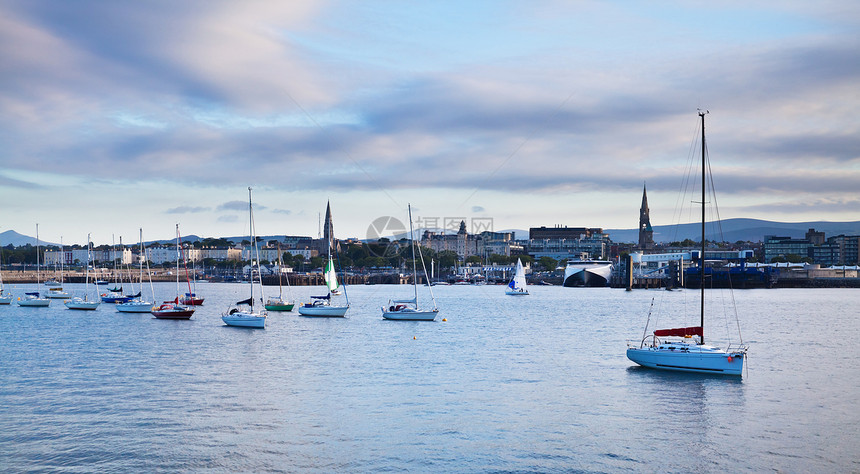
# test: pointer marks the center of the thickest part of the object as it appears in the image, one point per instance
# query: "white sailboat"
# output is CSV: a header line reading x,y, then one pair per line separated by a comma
x,y
137,304
322,305
407,309
517,286
246,317
689,353
32,298
55,291
84,303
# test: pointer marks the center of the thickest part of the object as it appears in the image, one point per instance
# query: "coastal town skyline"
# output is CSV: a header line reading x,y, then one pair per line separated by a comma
x,y
122,116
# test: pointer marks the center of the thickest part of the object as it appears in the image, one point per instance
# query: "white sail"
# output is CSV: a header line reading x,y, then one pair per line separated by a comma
x,y
520,276
517,286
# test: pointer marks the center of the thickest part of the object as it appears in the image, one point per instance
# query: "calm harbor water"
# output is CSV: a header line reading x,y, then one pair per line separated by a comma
x,y
539,383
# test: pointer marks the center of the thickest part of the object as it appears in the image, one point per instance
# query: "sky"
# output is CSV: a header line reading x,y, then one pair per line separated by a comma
x,y
116,116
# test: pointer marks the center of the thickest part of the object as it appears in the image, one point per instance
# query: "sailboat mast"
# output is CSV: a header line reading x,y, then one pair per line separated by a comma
x,y
37,254
140,261
178,249
121,252
87,272
702,258
414,270
254,241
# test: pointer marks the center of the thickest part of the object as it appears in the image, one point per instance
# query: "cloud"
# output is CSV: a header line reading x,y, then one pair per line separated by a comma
x,y
285,212
17,183
186,210
305,96
238,206
815,205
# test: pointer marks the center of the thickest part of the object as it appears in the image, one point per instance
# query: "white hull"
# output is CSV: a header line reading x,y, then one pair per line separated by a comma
x,y
587,273
245,320
6,299
58,295
325,311
517,292
410,315
35,302
78,303
135,307
692,358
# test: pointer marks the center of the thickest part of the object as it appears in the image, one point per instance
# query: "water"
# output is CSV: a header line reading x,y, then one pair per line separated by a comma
x,y
538,383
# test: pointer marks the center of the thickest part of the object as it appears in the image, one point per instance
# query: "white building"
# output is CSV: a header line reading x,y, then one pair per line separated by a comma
x,y
222,254
270,254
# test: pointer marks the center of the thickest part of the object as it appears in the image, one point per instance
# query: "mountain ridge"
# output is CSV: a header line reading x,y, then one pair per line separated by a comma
x,y
733,230
738,229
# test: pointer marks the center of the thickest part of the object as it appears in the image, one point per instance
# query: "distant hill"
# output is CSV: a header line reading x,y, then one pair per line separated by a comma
x,y
19,240
733,230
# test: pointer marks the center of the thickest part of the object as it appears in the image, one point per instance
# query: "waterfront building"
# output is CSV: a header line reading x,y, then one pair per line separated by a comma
x,y
306,253
563,232
498,243
67,257
105,255
297,241
167,254
271,254
782,247
849,248
839,250
109,254
568,243
221,254
824,254
815,238
463,243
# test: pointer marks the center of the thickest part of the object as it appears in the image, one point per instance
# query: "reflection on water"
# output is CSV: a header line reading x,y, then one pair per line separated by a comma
x,y
695,411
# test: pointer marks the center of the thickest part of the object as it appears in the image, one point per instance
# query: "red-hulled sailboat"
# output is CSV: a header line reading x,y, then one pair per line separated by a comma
x,y
172,309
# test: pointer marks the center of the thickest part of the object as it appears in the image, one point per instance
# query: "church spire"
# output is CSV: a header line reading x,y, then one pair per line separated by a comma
x,y
328,228
646,233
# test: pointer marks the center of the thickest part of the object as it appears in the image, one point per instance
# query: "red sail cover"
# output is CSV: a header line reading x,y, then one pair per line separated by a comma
x,y
690,331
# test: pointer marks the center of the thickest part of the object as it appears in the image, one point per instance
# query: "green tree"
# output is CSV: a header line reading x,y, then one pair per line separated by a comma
x,y
548,263
317,262
502,259
447,258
